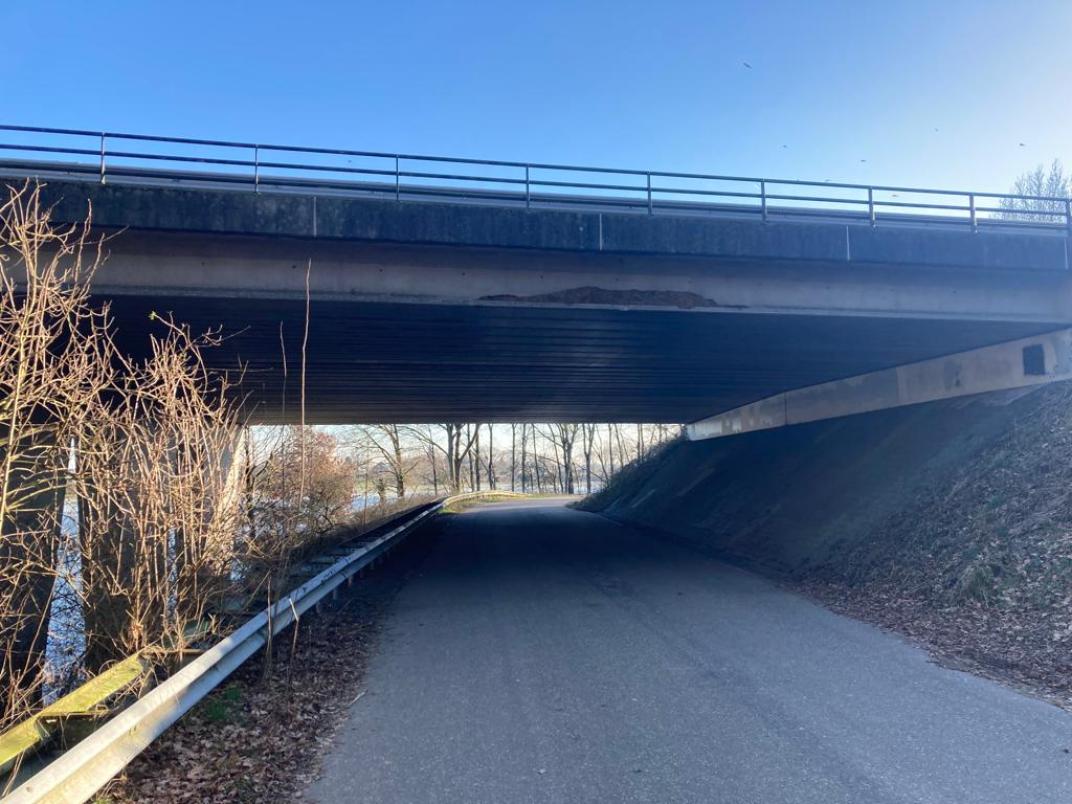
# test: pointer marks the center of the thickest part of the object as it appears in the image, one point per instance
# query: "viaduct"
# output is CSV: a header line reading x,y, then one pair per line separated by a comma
x,y
431,297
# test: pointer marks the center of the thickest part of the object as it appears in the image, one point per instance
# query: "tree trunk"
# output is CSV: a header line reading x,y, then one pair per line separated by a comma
x,y
567,462
435,473
560,478
588,441
400,467
513,456
474,461
536,462
454,461
524,450
610,448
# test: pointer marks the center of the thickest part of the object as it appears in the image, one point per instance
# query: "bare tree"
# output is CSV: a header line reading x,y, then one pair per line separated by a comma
x,y
536,462
513,456
474,458
1047,191
54,351
491,457
433,463
159,509
588,441
457,448
389,442
562,437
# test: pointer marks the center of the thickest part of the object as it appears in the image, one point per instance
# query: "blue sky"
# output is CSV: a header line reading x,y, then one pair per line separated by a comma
x,y
937,93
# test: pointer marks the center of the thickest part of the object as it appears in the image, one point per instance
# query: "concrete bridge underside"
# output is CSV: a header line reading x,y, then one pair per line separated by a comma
x,y
376,362
437,312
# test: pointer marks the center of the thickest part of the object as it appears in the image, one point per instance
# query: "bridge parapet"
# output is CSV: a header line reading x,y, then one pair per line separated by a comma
x,y
216,186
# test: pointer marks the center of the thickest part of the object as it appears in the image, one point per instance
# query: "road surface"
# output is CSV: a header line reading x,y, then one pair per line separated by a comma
x,y
547,655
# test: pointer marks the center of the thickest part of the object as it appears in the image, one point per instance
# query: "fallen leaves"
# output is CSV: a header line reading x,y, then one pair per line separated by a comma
x,y
260,736
979,567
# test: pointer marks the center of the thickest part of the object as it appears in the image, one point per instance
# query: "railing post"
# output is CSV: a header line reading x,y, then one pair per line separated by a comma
x,y
103,180
528,189
1068,216
871,206
971,207
398,182
763,199
256,168
651,206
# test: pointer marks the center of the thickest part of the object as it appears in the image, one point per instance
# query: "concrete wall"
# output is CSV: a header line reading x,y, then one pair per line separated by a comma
x,y
474,225
795,500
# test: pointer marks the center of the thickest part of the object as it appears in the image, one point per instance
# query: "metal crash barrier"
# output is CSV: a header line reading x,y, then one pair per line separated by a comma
x,y
77,774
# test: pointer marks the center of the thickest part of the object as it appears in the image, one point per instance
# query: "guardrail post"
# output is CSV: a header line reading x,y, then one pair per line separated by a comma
x,y
1068,215
398,182
971,207
103,180
528,189
651,206
871,206
256,168
763,199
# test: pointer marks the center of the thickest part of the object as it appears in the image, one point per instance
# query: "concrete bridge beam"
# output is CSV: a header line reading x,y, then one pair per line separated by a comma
x,y
1022,363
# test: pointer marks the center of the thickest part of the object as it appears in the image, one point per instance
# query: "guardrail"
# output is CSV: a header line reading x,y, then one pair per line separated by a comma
x,y
104,156
81,771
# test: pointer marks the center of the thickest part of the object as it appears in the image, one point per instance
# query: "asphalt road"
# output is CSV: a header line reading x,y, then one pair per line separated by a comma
x,y
547,655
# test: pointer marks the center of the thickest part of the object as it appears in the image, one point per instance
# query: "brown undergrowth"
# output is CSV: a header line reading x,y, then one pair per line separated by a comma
x,y
260,736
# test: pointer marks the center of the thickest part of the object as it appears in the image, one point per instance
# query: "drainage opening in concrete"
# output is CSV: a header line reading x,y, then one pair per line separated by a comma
x,y
1034,360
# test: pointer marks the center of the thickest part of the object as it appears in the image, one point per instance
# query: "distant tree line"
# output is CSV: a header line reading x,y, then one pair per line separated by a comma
x,y
391,460
1051,182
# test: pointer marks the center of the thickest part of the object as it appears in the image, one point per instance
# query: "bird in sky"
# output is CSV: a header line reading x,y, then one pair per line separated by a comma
x,y
746,64
1021,145
863,160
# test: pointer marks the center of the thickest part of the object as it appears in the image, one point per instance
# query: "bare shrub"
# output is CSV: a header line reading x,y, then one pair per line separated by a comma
x,y
299,490
53,358
153,444
158,506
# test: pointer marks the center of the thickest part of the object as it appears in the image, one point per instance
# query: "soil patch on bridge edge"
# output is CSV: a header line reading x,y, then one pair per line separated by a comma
x,y
261,735
630,297
950,524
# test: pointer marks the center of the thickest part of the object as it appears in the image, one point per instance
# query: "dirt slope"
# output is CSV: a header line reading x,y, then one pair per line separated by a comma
x,y
949,522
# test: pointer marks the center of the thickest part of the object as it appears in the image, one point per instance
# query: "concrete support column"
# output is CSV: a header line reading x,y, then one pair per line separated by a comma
x,y
212,550
107,462
159,515
32,464
109,564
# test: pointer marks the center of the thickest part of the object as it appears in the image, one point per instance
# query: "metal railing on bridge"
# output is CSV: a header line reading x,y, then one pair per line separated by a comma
x,y
105,156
